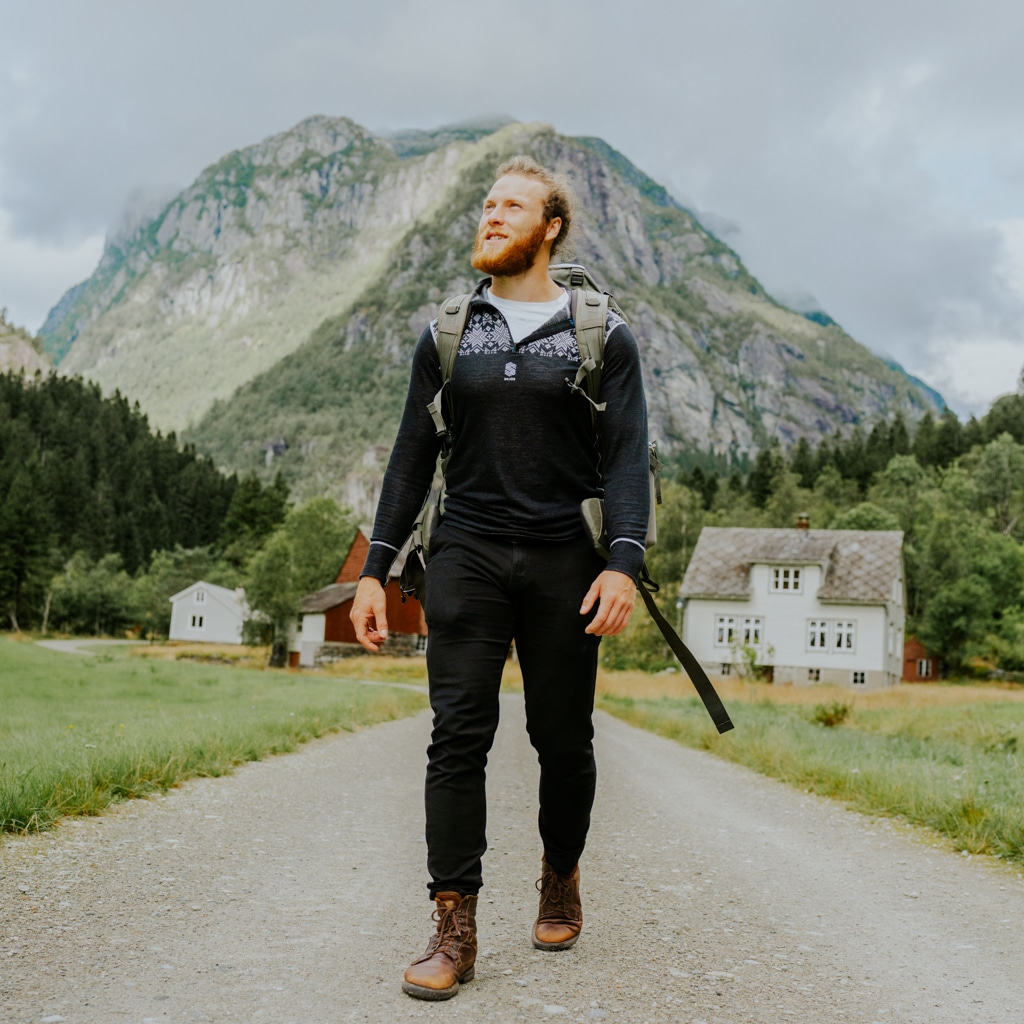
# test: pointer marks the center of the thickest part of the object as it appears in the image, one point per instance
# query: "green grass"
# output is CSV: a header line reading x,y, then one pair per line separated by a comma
x,y
78,733
956,770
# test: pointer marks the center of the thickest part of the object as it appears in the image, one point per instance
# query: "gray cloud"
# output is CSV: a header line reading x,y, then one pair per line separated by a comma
x,y
865,150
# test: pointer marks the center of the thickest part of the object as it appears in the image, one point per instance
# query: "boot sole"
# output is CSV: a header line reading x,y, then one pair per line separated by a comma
x,y
436,994
552,946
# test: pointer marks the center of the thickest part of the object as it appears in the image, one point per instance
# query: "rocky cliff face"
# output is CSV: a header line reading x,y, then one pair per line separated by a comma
x,y
235,272
279,297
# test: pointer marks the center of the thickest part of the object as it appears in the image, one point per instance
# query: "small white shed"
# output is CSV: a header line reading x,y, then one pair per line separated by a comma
x,y
206,613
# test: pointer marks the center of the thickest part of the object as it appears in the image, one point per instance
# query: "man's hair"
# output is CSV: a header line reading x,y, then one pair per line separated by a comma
x,y
560,200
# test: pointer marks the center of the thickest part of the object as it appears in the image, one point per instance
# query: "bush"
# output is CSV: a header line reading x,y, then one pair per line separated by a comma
x,y
92,597
831,715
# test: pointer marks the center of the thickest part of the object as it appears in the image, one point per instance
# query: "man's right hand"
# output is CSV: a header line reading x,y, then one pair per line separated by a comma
x,y
369,613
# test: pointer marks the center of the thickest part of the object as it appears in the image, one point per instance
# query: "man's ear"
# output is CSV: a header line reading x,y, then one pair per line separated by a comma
x,y
554,226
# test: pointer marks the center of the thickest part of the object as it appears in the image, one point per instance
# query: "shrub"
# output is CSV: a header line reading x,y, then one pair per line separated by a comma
x,y
831,715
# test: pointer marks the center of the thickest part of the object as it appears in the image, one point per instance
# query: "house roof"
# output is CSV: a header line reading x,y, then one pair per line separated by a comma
x,y
231,596
858,566
328,597
333,594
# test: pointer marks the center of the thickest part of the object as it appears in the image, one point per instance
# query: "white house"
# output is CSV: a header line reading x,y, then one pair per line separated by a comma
x,y
817,606
209,614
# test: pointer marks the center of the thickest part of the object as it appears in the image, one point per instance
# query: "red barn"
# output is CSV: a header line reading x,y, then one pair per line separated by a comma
x,y
325,631
919,664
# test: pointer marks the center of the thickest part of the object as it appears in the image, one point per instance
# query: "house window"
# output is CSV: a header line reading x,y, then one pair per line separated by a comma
x,y
814,675
817,634
420,645
924,668
786,580
200,596
843,636
752,632
197,622
859,678
726,668
725,630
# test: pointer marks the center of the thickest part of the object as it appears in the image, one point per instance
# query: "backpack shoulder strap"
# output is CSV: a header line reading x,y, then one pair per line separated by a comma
x,y
451,323
590,314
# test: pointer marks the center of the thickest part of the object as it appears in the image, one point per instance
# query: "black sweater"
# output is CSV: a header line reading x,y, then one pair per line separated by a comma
x,y
524,453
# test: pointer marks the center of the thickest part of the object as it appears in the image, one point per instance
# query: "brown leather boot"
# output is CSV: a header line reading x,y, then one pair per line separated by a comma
x,y
560,919
451,952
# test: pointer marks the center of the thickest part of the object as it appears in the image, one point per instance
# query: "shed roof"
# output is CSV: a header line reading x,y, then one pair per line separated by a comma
x,y
328,597
230,597
858,566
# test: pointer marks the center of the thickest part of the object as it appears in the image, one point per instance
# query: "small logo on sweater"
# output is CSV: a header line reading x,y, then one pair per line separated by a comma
x,y
510,371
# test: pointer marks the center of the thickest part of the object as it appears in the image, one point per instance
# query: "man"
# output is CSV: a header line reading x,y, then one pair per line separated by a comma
x,y
510,560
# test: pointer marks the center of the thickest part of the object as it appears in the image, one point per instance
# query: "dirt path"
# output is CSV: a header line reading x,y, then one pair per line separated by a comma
x,y
294,892
79,646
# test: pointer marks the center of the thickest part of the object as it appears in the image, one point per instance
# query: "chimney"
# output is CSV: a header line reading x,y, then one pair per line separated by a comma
x,y
803,521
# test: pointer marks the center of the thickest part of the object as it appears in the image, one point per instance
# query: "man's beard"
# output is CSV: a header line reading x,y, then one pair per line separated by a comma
x,y
514,258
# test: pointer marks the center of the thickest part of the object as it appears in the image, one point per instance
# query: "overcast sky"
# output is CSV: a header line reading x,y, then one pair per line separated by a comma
x,y
869,155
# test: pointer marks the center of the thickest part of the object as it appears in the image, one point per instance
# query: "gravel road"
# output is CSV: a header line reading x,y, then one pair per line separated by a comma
x,y
294,891
79,646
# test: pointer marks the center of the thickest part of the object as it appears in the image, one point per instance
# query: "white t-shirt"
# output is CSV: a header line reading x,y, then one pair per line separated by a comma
x,y
524,318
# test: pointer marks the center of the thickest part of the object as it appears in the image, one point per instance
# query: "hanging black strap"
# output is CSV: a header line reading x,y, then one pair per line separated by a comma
x,y
699,678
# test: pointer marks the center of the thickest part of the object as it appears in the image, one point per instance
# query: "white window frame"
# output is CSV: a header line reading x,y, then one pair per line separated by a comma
x,y
859,678
198,623
726,630
844,636
818,635
199,597
753,630
924,668
831,636
814,675
787,579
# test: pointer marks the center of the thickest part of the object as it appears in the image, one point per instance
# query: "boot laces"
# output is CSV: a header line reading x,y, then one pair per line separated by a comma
x,y
557,893
450,929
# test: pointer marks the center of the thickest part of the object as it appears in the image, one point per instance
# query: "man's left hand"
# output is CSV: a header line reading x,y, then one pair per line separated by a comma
x,y
615,591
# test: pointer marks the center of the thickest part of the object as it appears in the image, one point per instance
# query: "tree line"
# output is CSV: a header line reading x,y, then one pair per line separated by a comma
x,y
93,501
102,519
955,489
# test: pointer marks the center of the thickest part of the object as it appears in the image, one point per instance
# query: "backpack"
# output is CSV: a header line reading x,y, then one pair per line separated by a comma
x,y
588,307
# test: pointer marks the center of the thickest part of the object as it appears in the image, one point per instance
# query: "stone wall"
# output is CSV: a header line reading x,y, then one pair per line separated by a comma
x,y
398,645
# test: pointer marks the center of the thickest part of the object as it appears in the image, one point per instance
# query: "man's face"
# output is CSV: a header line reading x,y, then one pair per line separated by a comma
x,y
512,228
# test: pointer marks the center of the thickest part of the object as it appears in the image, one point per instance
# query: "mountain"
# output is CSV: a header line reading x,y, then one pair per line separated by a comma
x,y
273,305
935,400
19,350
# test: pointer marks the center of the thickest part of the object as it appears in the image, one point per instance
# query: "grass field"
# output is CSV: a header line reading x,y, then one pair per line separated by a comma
x,y
945,756
77,733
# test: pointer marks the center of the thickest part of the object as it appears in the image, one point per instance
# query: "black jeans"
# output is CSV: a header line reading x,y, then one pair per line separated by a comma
x,y
483,592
